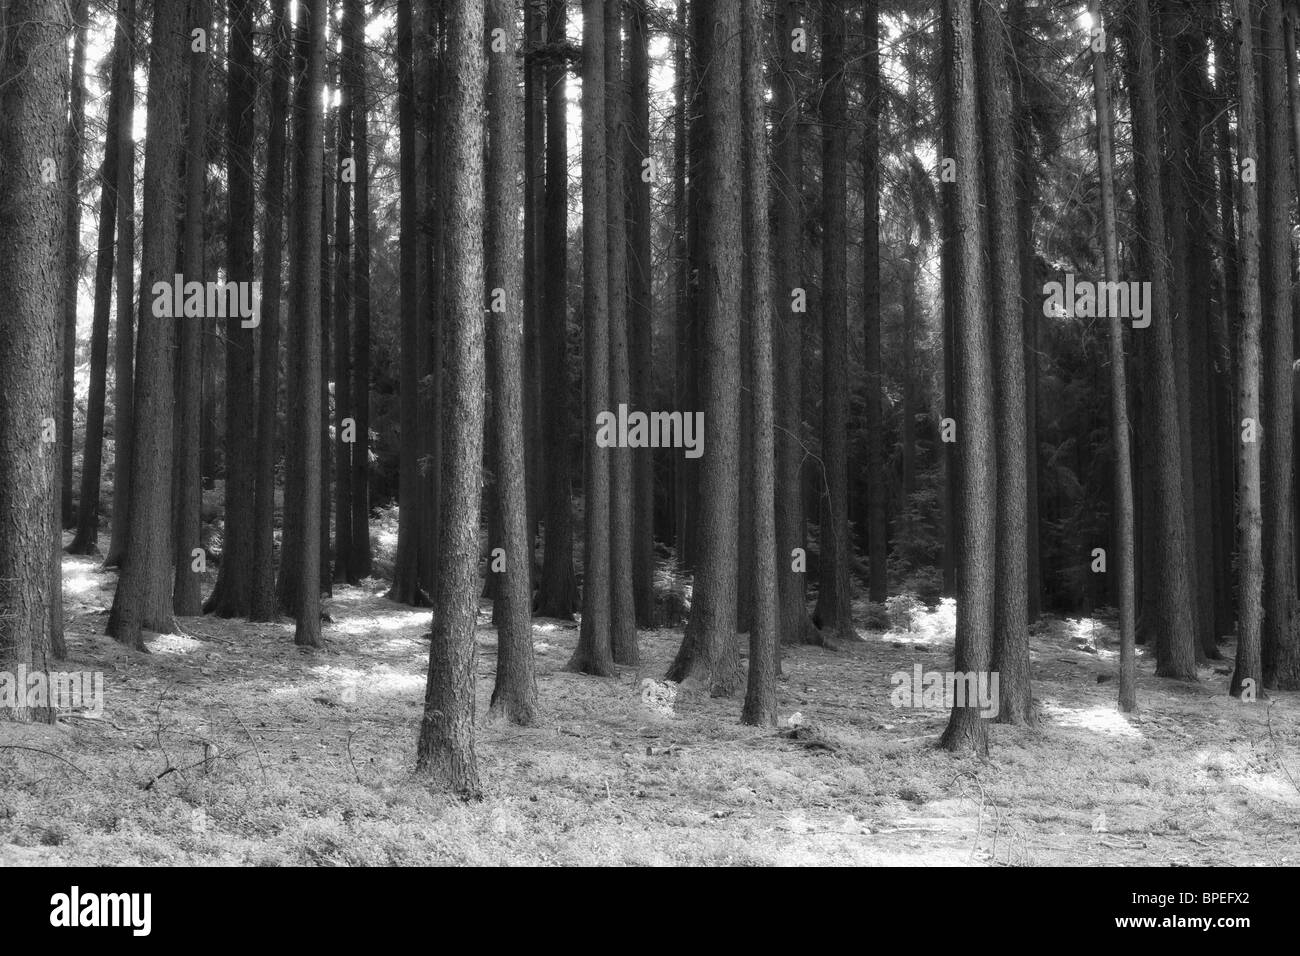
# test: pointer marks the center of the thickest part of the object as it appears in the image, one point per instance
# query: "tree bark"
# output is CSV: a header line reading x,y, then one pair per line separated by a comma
x,y
72,257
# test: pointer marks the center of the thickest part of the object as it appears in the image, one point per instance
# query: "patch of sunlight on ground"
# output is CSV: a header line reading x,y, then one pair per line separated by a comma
x,y
173,644
382,680
937,626
79,583
1100,720
393,621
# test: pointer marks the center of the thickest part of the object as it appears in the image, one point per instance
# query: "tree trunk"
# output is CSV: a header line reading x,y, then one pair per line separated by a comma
x,y
760,691
835,595
1171,603
232,596
445,751
72,258
343,405
1247,676
354,38
144,589
976,463
877,489
32,111
622,606
640,304
1122,536
93,457
263,604
304,329
187,600
557,594
593,655
709,652
514,696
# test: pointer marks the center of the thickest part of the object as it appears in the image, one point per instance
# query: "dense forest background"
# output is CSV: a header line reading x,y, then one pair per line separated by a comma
x,y
991,303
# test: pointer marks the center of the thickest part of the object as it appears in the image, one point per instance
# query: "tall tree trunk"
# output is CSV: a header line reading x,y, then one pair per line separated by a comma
x,y
1122,536
304,329
263,603
835,596
877,489
232,596
1169,588
343,406
593,655
709,652
1281,641
760,691
1010,623
446,745
329,164
796,626
143,596
32,111
640,305
72,257
976,463
186,597
622,607
1247,676
514,696
406,584
93,457
557,594
354,39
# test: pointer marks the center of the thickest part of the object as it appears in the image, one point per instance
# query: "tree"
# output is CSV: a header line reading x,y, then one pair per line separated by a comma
x,y
144,589
1170,590
622,606
232,595
787,214
976,462
1011,625
760,692
1248,672
1281,642
877,523
640,304
557,589
262,606
445,753
514,696
708,652
1122,539
406,571
355,76
594,654
343,404
72,256
31,218
834,598
186,599
304,332
118,138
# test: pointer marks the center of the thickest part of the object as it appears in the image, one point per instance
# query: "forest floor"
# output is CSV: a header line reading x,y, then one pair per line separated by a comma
x,y
228,745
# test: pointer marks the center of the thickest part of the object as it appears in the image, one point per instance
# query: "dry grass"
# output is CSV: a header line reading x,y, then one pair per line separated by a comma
x,y
283,757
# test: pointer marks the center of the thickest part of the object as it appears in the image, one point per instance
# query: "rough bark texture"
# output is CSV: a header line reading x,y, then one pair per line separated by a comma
x,y
877,524
709,652
1248,674
186,597
594,655
263,602
144,589
514,696
760,690
342,343
1011,625
75,162
446,746
32,78
557,594
976,478
354,36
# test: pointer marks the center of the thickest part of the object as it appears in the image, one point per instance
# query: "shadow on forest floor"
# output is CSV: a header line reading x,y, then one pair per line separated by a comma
x,y
280,756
